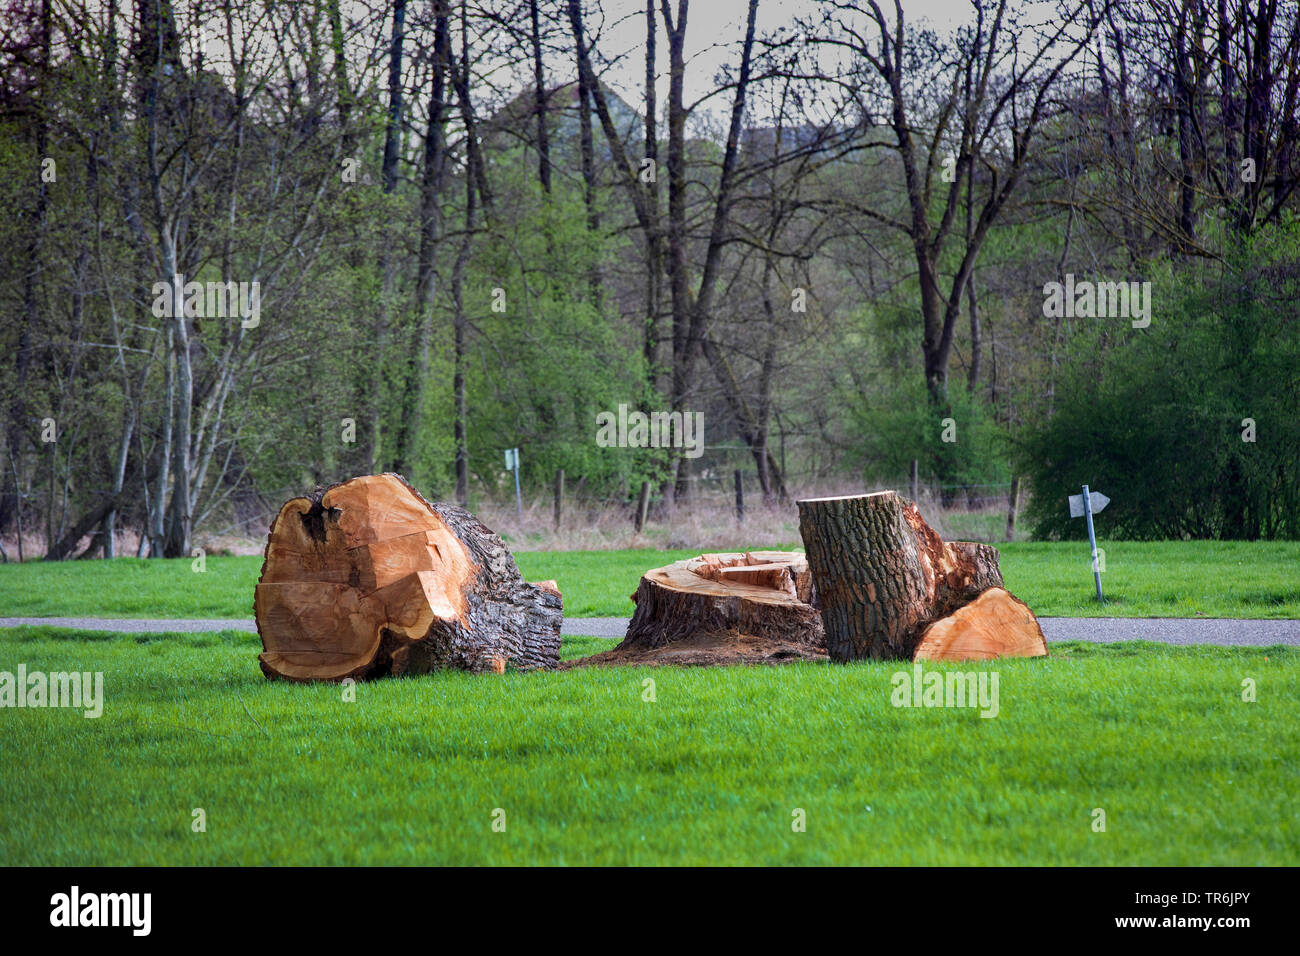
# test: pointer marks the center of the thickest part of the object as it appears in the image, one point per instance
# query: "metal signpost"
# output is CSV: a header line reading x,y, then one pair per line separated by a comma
x,y
1085,506
512,464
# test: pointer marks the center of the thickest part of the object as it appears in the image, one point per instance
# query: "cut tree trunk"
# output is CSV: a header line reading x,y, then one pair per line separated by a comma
x,y
883,575
366,578
995,624
755,607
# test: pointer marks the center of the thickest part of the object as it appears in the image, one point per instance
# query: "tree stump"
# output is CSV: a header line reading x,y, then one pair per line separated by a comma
x,y
883,575
734,608
366,578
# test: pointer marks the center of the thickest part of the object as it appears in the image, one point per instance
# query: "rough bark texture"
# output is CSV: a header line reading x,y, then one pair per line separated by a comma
x,y
883,574
756,607
995,624
366,578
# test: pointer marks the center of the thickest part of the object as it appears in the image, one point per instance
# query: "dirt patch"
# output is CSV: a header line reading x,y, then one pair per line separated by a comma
x,y
705,650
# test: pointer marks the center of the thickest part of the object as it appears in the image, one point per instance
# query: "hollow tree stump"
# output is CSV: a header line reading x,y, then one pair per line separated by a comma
x,y
883,574
734,608
366,578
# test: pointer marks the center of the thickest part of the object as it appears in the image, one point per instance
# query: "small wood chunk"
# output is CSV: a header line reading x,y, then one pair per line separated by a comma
x,y
995,624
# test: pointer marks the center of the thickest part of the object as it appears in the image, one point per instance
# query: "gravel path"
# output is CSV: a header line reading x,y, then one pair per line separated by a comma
x,y
1103,630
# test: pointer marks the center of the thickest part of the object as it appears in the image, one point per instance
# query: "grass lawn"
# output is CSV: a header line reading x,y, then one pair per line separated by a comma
x,y
1142,579
586,771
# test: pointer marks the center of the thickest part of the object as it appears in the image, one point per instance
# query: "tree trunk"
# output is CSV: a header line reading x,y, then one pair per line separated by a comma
x,y
683,347
539,102
58,550
32,300
654,242
341,85
883,574
411,409
387,266
367,579
587,149
460,420
180,518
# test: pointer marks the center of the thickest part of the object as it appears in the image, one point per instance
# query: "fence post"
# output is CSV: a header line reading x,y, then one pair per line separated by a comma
x,y
559,497
643,506
915,487
740,498
1013,504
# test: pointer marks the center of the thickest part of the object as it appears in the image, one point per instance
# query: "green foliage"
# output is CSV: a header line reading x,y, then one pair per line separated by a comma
x,y
1156,418
903,424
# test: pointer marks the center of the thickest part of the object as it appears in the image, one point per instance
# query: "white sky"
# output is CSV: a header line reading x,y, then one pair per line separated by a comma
x,y
714,31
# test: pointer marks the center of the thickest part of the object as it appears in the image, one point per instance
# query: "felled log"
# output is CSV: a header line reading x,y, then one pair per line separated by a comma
x,y
366,578
995,624
883,575
733,608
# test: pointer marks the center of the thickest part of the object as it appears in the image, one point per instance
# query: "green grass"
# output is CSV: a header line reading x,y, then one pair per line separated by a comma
x,y
1142,579
588,772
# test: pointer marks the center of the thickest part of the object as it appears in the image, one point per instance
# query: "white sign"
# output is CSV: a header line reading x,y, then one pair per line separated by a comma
x,y
1099,501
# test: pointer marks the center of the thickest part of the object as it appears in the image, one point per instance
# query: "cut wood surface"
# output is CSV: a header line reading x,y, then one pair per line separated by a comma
x,y
742,607
367,578
883,575
995,624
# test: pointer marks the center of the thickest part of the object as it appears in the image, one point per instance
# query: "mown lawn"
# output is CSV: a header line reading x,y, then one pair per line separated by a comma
x,y
1142,579
587,771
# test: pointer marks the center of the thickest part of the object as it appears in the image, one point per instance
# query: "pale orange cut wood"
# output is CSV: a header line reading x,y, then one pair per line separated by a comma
x,y
995,624
366,578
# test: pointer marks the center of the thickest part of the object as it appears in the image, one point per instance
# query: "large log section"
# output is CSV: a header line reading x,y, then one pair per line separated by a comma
x,y
883,575
366,578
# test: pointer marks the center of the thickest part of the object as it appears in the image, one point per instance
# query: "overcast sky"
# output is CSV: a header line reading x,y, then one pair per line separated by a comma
x,y
714,30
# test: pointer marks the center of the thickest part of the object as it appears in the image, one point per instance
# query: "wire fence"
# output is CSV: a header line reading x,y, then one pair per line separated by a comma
x,y
706,506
